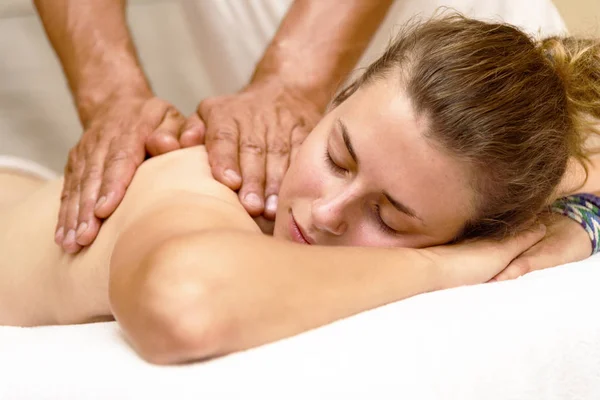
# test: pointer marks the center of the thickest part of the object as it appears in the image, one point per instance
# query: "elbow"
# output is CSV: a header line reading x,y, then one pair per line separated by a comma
x,y
168,315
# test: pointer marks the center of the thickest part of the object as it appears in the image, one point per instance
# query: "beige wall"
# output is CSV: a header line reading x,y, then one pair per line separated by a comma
x,y
582,16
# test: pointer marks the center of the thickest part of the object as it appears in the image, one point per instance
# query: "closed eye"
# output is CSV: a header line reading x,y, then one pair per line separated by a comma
x,y
385,228
333,165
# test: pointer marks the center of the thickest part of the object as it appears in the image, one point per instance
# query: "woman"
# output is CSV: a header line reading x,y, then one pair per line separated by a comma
x,y
462,129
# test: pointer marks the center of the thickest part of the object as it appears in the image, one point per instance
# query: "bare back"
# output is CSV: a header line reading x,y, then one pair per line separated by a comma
x,y
37,278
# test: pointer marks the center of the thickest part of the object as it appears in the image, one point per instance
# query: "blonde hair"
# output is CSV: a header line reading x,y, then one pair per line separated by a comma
x,y
513,108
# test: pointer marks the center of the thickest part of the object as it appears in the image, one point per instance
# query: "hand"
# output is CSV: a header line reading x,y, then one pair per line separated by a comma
x,y
251,137
102,164
479,260
565,242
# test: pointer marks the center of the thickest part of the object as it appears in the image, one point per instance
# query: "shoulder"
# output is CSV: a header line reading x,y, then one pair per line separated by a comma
x,y
173,177
185,169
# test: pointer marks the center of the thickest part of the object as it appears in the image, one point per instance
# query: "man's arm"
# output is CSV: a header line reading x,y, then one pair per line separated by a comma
x,y
95,49
316,46
116,107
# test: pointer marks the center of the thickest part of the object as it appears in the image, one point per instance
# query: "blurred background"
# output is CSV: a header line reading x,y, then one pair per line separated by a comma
x,y
581,16
192,49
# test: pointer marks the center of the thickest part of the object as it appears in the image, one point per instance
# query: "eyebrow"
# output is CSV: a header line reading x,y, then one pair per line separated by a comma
x,y
403,208
347,141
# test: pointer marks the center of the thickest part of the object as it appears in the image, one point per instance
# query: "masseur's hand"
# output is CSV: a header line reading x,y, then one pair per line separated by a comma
x,y
251,137
566,241
479,260
102,164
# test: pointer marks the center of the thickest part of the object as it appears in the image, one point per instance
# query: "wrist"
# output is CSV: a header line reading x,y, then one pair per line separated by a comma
x,y
431,263
99,86
296,78
92,102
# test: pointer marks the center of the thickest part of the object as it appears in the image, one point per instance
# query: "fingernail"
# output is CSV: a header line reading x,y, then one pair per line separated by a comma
x,y
59,234
70,239
232,176
100,202
253,200
271,203
82,228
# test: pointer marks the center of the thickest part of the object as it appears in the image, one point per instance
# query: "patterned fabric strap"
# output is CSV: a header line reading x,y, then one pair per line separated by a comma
x,y
585,209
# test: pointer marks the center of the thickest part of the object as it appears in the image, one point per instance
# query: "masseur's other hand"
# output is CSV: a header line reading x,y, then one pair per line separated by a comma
x,y
479,260
102,164
251,137
565,242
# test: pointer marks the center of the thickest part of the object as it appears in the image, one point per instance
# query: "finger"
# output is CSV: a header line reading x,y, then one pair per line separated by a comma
x,y
59,234
519,267
125,155
221,141
252,165
165,137
88,224
69,243
69,173
277,163
299,134
192,133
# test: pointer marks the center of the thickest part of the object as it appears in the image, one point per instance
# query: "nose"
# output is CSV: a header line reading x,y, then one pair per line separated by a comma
x,y
329,214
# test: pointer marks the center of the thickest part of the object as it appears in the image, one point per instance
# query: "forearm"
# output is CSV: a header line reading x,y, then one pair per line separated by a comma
x,y
203,295
95,49
318,44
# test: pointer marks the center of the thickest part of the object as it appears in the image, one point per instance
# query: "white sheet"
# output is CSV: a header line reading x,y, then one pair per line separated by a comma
x,y
534,338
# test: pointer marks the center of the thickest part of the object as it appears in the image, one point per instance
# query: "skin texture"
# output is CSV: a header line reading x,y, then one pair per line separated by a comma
x,y
116,107
342,204
315,48
163,265
250,135
188,275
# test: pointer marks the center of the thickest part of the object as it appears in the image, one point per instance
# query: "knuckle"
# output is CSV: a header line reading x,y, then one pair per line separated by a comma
x,y
73,186
72,157
93,173
225,135
278,147
298,138
120,156
173,112
206,105
252,146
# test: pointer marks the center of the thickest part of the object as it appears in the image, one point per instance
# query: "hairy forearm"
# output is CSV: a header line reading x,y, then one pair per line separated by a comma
x,y
203,295
95,49
319,42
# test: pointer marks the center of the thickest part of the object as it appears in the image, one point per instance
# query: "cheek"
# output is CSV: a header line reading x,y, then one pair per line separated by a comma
x,y
305,176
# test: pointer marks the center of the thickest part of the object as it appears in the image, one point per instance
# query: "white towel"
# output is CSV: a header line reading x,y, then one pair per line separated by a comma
x,y
26,167
537,337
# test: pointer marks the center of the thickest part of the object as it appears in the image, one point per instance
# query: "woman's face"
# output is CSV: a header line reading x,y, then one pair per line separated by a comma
x,y
367,176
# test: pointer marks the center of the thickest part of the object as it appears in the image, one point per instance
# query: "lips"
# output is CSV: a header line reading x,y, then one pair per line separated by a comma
x,y
296,232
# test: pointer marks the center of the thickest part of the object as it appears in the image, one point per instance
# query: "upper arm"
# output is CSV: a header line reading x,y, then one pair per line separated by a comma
x,y
135,300
172,195
182,214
